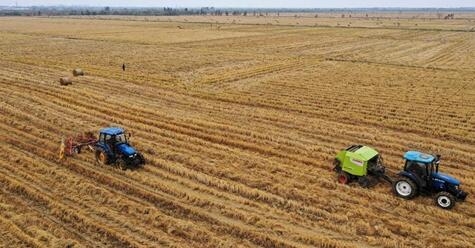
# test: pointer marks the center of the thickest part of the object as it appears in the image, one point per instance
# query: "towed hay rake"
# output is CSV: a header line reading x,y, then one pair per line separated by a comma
x,y
74,144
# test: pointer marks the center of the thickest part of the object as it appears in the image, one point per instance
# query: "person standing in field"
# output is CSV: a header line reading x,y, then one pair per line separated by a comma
x,y
123,67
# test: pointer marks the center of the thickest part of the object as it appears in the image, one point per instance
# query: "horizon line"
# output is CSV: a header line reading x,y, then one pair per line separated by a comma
x,y
231,7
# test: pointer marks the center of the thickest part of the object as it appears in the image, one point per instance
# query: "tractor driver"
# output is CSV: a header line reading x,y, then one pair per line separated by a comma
x,y
419,169
110,142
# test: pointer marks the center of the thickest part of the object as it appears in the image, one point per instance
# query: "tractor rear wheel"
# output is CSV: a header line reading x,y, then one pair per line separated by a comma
x,y
444,200
343,177
405,188
102,158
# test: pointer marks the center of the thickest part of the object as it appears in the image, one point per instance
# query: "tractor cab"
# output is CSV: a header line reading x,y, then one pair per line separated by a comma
x,y
421,166
114,139
113,148
425,169
421,175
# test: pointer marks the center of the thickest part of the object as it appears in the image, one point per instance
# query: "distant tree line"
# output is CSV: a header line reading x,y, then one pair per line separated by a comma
x,y
166,11
72,11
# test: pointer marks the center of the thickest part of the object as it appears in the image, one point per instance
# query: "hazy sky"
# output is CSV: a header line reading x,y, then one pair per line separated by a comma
x,y
254,3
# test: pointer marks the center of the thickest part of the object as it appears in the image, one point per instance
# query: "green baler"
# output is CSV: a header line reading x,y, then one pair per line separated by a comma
x,y
359,163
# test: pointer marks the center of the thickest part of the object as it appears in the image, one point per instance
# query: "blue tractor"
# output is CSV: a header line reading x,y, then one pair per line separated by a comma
x,y
421,176
113,148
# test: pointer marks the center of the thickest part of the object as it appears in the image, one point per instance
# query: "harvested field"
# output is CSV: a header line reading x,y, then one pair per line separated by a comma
x,y
239,125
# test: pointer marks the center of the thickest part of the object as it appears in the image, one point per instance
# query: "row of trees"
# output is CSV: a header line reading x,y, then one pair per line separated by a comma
x,y
52,11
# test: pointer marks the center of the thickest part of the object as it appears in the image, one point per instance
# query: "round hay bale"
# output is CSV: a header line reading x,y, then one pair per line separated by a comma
x,y
78,72
65,81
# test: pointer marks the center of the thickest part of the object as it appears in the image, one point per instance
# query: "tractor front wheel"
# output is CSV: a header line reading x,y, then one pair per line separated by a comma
x,y
405,188
343,177
444,200
102,158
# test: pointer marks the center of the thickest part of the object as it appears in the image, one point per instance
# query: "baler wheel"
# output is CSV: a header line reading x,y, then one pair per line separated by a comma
x,y
343,178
